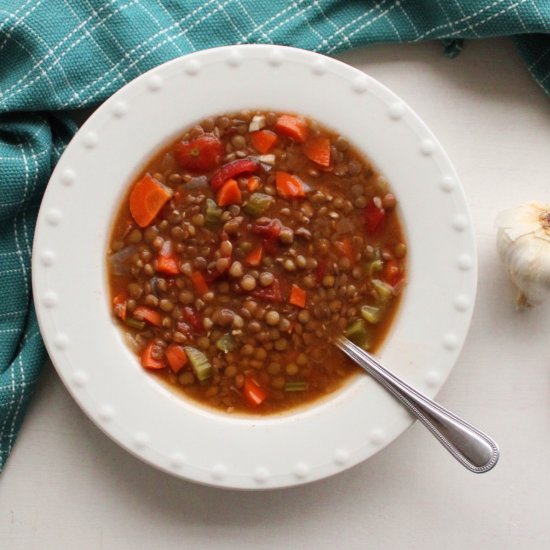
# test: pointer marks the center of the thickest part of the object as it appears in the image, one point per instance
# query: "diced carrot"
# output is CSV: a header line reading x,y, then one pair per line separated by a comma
x,y
148,359
297,296
146,199
255,256
167,261
176,357
263,140
168,265
119,303
392,273
345,247
318,150
252,183
253,393
233,169
229,193
293,127
289,186
200,283
144,313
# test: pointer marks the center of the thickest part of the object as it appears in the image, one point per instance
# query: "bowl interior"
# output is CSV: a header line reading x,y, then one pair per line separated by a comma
x,y
72,298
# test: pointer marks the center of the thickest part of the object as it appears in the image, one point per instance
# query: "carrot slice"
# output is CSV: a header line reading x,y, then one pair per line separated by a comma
x,y
253,393
199,281
167,265
255,257
252,183
298,296
293,127
229,193
263,140
318,150
148,359
345,247
176,357
119,303
289,186
143,313
146,199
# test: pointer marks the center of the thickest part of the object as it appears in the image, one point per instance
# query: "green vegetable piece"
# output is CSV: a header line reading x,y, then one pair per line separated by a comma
x,y
213,213
257,204
374,266
356,331
199,362
371,314
296,386
134,323
227,343
383,290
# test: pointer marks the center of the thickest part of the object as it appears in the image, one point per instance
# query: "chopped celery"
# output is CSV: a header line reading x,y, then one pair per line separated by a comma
x,y
134,323
374,266
213,213
226,343
371,314
356,331
296,386
199,362
257,204
383,290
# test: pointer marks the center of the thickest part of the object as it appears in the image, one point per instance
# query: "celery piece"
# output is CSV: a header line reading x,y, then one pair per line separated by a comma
x,y
134,323
257,204
296,386
383,290
371,314
374,266
356,331
213,213
226,343
199,362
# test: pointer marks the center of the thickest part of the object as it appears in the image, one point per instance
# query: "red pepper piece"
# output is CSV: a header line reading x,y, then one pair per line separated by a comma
x,y
193,318
320,271
373,216
233,170
268,228
199,155
272,293
184,328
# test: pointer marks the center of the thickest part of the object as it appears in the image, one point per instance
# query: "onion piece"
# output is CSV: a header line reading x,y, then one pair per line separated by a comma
x,y
197,182
118,260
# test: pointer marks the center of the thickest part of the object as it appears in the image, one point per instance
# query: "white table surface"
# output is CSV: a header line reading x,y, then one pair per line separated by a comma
x,y
67,485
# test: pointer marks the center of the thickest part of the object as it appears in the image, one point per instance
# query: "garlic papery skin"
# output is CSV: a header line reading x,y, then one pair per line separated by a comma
x,y
523,244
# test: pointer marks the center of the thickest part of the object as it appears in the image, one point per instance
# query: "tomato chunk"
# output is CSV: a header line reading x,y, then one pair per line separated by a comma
x,y
201,154
374,216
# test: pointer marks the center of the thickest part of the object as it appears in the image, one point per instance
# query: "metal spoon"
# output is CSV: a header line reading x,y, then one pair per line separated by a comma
x,y
475,450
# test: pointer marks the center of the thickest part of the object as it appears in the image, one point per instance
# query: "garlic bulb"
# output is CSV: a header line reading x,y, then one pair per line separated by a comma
x,y
523,243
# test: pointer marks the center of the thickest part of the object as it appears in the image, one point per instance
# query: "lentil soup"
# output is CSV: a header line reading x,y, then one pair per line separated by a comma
x,y
242,247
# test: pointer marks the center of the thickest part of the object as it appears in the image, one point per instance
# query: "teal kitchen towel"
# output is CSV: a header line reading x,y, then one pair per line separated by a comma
x,y
61,55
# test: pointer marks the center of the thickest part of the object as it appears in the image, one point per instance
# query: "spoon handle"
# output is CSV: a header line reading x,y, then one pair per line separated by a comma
x,y
475,450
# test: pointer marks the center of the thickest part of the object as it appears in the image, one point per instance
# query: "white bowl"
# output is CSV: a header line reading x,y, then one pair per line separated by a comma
x,y
70,284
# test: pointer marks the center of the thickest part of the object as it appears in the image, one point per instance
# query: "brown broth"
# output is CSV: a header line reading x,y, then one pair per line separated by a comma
x,y
335,214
